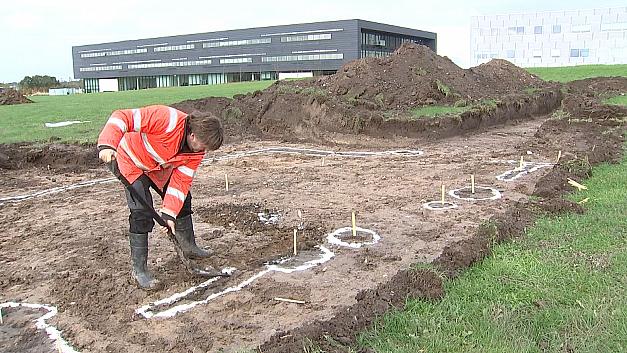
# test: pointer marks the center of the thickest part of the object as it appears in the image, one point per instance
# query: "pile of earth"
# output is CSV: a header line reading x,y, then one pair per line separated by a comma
x,y
11,96
57,156
365,93
584,99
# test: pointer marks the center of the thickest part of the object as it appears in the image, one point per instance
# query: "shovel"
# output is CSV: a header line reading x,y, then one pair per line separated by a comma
x,y
189,264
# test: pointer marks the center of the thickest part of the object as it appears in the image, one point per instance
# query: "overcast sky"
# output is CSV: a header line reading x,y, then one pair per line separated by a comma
x,y
36,36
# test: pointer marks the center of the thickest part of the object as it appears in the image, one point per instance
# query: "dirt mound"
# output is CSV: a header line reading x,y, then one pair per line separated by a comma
x,y
598,86
365,93
61,157
11,96
504,77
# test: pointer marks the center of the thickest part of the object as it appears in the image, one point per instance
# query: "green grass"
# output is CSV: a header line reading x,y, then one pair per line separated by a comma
x,y
432,111
562,288
25,122
619,100
571,73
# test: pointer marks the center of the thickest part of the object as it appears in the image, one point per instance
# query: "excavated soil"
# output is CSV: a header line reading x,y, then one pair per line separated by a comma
x,y
11,96
70,249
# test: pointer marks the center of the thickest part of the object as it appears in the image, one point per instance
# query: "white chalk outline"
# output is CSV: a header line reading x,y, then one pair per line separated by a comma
x,y
449,207
147,313
53,333
334,239
272,219
55,190
495,193
522,171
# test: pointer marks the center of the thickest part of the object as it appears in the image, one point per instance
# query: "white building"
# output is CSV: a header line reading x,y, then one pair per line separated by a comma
x,y
556,38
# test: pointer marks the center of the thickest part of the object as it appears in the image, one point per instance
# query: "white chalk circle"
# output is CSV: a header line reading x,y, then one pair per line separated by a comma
x,y
439,205
527,167
53,333
334,238
495,194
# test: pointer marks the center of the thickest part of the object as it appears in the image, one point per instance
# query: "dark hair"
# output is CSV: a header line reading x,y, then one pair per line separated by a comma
x,y
207,128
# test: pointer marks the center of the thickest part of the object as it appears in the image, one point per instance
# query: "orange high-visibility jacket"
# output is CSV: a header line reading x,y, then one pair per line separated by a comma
x,y
148,141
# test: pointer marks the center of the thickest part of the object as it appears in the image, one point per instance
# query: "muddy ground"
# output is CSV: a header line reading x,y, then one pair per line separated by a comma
x,y
70,249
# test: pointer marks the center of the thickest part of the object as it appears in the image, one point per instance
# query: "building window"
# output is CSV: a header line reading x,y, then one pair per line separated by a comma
x,y
174,47
581,28
537,30
230,43
617,26
511,54
268,59
584,53
306,37
170,64
236,60
100,68
515,30
557,28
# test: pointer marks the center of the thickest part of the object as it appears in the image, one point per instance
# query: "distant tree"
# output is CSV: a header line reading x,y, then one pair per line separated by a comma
x,y
37,83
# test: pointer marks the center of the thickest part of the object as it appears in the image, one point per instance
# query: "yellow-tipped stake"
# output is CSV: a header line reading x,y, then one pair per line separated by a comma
x,y
295,251
559,156
577,185
472,183
443,193
522,163
226,181
354,225
59,348
322,162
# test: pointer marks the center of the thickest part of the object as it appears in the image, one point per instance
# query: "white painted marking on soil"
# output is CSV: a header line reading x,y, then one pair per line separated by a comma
x,y
53,333
317,153
146,310
495,193
528,167
439,206
334,238
55,190
271,218
65,123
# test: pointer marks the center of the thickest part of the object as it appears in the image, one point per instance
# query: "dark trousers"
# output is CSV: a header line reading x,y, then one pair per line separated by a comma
x,y
140,220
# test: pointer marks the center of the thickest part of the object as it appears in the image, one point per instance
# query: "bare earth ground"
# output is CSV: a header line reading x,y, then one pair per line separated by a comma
x,y
70,249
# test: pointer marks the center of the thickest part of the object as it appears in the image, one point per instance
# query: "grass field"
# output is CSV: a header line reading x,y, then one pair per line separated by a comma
x,y
571,73
25,122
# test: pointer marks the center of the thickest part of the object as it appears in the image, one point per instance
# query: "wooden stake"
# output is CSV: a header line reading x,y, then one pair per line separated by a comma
x,y
59,348
583,201
322,162
443,193
1,321
522,162
559,155
577,185
354,225
300,214
295,251
226,181
472,183
290,300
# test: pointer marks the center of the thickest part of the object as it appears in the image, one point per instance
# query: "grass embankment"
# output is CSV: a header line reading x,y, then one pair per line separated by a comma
x,y
25,122
571,73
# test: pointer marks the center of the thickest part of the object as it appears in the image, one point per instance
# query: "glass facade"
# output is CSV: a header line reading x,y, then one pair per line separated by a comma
x,y
381,44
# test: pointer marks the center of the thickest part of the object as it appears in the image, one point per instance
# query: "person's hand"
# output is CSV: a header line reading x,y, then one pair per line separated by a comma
x,y
171,225
107,155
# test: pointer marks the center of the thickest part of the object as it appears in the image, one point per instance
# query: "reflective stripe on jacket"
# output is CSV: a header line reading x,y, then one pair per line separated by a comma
x,y
148,141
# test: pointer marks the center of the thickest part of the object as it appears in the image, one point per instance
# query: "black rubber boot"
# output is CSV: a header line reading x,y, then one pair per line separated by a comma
x,y
185,236
139,260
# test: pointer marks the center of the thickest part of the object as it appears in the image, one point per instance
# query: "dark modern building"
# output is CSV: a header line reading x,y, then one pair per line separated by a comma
x,y
299,50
